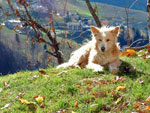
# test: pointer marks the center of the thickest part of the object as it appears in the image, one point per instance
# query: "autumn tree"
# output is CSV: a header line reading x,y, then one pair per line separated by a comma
x,y
28,21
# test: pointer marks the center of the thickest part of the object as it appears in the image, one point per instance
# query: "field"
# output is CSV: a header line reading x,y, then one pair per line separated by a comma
x,y
78,90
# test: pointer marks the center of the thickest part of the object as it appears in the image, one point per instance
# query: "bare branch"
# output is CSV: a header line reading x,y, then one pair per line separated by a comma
x,y
93,13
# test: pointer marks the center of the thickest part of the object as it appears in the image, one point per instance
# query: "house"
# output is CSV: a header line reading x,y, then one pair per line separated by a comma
x,y
74,26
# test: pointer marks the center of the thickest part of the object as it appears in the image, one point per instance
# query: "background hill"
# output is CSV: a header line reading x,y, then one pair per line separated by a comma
x,y
137,4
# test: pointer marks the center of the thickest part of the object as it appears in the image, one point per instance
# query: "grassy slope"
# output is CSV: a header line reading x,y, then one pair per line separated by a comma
x,y
61,91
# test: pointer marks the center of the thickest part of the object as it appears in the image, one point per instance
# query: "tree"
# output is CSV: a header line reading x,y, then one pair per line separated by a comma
x,y
25,17
92,11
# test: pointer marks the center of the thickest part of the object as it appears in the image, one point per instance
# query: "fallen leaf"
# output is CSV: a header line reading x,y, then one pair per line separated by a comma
x,y
88,81
39,99
42,105
121,88
24,101
78,85
136,105
148,108
76,104
118,100
147,100
89,88
42,72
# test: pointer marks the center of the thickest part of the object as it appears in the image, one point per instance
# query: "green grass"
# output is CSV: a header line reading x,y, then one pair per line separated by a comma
x,y
92,91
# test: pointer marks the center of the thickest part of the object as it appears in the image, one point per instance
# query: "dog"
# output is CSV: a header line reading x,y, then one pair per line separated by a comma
x,y
103,50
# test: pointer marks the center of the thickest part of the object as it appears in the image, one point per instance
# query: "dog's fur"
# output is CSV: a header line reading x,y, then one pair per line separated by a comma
x,y
102,50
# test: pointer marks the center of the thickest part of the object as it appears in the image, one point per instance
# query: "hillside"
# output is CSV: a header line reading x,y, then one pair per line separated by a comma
x,y
137,4
17,55
113,14
78,90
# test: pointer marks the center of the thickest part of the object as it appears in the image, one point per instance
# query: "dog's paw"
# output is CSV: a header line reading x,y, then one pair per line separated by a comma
x,y
100,70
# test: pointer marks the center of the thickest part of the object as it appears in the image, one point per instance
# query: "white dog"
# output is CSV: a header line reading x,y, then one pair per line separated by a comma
x,y
102,50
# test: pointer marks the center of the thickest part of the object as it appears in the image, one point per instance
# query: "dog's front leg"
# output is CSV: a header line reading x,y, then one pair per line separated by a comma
x,y
95,67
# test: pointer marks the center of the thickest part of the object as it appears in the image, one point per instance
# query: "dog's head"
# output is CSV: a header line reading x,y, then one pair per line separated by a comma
x,y
105,37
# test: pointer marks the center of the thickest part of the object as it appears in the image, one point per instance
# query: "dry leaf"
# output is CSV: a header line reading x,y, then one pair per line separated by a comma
x,y
121,88
42,72
78,85
118,100
42,105
147,100
15,28
89,88
76,104
95,9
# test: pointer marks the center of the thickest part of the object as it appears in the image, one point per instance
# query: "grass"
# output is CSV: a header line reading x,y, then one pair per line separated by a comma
x,y
78,90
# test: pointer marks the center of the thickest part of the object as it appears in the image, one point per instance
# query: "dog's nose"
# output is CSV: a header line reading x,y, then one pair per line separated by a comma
x,y
103,49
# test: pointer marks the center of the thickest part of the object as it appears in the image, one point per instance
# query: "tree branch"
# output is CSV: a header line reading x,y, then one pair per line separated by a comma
x,y
93,13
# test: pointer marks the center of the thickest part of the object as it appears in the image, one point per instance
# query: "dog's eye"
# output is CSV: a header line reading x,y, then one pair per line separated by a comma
x,y
108,40
100,40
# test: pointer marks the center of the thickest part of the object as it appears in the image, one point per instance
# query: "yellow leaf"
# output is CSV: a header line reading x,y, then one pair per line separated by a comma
x,y
39,99
24,101
118,100
121,88
131,51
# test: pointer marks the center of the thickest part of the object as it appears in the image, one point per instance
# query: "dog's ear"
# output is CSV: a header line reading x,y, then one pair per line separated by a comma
x,y
95,30
116,31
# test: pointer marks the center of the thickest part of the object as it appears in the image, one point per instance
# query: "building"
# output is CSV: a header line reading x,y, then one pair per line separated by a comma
x,y
74,26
